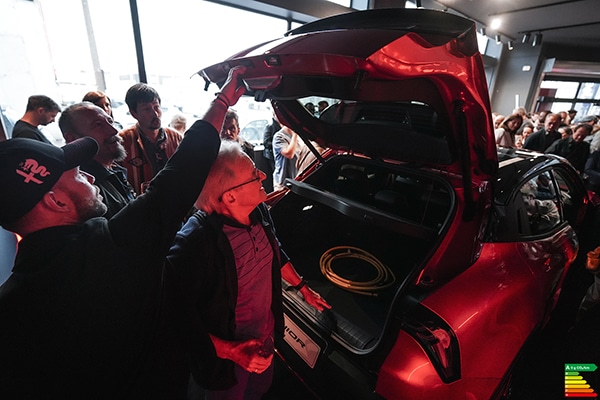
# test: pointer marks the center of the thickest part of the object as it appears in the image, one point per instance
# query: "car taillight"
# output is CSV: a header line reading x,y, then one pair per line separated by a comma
x,y
437,339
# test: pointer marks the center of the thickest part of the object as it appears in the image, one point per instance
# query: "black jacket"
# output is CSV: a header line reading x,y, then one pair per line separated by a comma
x,y
592,171
88,312
115,189
23,129
202,258
540,141
576,152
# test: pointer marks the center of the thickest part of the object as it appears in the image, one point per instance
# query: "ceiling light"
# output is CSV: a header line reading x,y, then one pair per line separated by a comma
x,y
496,22
498,39
526,37
510,45
537,39
482,31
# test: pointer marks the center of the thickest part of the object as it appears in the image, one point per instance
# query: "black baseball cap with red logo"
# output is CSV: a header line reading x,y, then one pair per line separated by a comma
x,y
30,168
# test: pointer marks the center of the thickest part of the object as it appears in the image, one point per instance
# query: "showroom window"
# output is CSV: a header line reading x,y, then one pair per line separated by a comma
x,y
85,45
562,94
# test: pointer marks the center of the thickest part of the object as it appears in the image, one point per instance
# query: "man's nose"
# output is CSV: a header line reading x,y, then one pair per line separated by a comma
x,y
89,177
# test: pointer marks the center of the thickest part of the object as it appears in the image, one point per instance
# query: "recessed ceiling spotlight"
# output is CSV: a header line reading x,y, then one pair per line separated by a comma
x,y
496,23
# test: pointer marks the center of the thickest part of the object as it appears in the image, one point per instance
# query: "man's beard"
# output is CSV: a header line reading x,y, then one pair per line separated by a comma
x,y
119,154
90,208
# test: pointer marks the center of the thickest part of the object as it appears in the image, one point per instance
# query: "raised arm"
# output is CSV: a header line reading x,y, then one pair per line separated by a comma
x,y
229,95
290,150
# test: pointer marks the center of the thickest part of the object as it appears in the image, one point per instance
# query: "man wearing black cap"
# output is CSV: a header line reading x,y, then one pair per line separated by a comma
x,y
573,147
89,311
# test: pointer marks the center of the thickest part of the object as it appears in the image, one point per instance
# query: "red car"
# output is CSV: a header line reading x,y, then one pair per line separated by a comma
x,y
440,255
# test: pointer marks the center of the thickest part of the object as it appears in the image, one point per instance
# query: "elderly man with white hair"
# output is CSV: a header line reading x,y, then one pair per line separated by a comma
x,y
231,264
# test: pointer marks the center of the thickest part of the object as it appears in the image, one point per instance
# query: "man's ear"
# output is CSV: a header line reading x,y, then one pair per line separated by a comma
x,y
228,197
40,111
53,202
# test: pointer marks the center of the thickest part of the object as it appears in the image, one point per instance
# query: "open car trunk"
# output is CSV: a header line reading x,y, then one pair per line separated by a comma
x,y
347,207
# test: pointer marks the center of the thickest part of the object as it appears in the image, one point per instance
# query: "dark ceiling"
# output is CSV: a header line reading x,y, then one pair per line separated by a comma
x,y
561,23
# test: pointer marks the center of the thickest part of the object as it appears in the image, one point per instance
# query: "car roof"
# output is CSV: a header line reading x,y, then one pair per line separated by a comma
x,y
517,165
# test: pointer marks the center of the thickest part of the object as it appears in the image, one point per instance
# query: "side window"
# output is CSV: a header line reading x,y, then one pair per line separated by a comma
x,y
570,196
541,204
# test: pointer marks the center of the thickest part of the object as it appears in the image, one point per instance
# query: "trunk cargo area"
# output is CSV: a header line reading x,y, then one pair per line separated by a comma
x,y
347,208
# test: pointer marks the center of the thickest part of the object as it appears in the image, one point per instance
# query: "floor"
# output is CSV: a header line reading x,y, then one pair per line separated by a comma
x,y
287,387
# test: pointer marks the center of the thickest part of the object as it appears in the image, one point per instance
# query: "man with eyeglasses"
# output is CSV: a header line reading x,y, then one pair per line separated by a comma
x,y
230,263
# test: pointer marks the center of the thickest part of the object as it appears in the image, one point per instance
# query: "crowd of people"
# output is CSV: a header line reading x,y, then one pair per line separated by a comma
x,y
148,265
561,133
143,148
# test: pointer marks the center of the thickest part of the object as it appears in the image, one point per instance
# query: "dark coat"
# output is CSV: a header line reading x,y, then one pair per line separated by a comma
x,y
88,312
540,140
576,152
202,258
116,191
23,129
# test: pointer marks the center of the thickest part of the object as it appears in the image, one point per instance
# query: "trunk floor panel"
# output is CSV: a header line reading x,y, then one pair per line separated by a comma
x,y
307,230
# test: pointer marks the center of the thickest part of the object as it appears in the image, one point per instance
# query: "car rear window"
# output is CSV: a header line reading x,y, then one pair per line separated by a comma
x,y
406,116
404,120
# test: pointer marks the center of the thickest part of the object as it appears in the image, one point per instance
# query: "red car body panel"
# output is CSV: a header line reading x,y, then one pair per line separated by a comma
x,y
514,298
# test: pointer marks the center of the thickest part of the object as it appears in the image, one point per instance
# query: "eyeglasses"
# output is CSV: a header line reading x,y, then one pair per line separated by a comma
x,y
257,177
242,184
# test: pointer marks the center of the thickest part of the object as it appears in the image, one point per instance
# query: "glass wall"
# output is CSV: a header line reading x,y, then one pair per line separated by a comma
x,y
65,51
181,39
562,94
